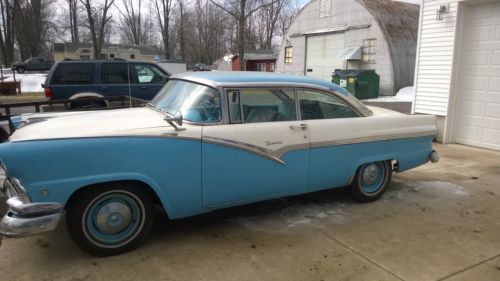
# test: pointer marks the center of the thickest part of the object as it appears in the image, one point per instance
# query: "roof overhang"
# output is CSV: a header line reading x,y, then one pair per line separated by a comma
x,y
350,53
337,29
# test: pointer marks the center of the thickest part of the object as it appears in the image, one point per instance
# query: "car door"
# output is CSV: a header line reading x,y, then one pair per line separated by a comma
x,y
149,79
262,153
114,79
329,119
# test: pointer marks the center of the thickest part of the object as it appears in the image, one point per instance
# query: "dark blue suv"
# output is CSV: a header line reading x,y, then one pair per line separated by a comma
x,y
103,78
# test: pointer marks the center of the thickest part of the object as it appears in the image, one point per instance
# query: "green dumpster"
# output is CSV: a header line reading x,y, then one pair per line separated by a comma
x,y
364,84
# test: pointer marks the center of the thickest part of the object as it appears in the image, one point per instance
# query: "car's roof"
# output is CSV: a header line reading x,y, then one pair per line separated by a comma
x,y
225,78
102,61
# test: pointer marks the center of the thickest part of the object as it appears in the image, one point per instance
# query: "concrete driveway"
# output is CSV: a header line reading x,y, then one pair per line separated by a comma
x,y
438,222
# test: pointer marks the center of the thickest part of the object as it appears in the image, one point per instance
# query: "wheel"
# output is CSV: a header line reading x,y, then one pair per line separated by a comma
x,y
110,220
371,181
20,70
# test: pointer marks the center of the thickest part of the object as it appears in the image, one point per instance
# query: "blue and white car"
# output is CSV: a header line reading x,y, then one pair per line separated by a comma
x,y
206,141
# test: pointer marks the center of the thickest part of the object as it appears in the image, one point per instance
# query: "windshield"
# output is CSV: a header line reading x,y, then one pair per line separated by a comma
x,y
196,103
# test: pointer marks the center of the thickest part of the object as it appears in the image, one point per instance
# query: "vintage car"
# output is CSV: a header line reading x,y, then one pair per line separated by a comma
x,y
206,141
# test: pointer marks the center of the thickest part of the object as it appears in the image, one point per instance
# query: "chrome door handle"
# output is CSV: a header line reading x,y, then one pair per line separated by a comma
x,y
301,126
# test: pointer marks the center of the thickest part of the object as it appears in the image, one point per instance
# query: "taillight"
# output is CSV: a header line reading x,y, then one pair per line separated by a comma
x,y
48,92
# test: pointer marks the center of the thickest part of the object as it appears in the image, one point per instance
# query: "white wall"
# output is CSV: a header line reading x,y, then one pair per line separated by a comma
x,y
344,13
436,51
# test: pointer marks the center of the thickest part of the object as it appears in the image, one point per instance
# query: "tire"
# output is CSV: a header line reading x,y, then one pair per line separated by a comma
x,y
371,181
110,220
21,70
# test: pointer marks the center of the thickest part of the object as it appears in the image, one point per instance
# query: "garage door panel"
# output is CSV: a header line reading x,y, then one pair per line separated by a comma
x,y
477,113
491,136
321,57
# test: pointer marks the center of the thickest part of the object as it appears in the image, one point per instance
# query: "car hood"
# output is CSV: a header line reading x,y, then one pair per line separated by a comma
x,y
81,124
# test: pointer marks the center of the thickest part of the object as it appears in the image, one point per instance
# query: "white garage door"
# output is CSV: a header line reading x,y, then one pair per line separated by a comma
x,y
321,57
477,115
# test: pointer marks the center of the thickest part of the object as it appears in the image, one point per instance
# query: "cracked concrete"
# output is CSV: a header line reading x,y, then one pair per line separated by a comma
x,y
437,222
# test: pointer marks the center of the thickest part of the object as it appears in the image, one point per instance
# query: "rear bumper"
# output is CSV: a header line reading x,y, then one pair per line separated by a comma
x,y
24,218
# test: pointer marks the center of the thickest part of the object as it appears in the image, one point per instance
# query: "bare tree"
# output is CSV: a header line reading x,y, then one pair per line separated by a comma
x,y
269,17
98,18
163,10
241,10
33,23
73,20
7,31
133,24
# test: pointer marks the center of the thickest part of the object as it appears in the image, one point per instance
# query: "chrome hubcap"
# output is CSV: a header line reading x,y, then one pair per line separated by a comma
x,y
113,218
370,174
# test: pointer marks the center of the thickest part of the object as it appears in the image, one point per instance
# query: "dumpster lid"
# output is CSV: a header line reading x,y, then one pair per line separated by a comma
x,y
351,72
350,53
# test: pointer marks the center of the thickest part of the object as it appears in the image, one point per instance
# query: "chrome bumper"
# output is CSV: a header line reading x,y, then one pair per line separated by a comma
x,y
23,217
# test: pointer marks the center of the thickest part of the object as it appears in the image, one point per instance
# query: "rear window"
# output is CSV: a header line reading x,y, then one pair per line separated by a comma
x,y
74,73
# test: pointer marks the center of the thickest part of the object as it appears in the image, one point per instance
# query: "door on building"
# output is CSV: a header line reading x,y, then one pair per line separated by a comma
x,y
477,112
321,55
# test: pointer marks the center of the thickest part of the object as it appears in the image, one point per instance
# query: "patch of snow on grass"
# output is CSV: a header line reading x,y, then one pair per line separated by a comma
x,y
404,95
30,82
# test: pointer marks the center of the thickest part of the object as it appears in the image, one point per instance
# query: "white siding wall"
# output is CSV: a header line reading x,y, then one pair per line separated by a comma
x,y
435,55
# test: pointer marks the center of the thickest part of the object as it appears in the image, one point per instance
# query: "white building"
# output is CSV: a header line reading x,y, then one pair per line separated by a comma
x,y
355,34
457,73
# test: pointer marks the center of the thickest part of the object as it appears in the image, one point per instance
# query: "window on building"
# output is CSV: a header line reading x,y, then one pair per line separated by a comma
x,y
260,67
325,8
369,50
288,54
132,56
272,67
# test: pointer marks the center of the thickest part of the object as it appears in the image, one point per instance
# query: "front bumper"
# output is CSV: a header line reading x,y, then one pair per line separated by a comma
x,y
24,218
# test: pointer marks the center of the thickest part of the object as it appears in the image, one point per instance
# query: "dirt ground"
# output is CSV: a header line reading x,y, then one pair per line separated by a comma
x,y
438,222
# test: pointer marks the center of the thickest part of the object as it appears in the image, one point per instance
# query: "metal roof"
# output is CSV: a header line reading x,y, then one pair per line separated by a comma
x,y
399,24
350,53
259,55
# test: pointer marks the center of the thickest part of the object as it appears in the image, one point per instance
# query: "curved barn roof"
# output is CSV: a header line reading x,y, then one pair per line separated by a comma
x,y
399,24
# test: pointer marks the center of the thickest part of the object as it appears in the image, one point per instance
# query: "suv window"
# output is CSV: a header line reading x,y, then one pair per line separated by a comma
x,y
147,73
73,73
114,73
317,105
261,105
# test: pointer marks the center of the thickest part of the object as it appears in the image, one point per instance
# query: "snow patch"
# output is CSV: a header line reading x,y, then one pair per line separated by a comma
x,y
30,82
294,216
404,95
440,186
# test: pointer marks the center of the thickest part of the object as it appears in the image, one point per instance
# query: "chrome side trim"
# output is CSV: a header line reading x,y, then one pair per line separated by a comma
x,y
266,153
372,139
276,155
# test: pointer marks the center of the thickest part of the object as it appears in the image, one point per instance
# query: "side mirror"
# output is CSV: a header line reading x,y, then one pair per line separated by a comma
x,y
175,121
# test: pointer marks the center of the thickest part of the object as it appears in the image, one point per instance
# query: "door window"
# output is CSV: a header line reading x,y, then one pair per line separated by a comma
x,y
114,73
149,74
317,105
261,105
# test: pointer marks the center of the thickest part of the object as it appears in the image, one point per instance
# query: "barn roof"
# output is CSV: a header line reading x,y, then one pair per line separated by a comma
x,y
399,24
